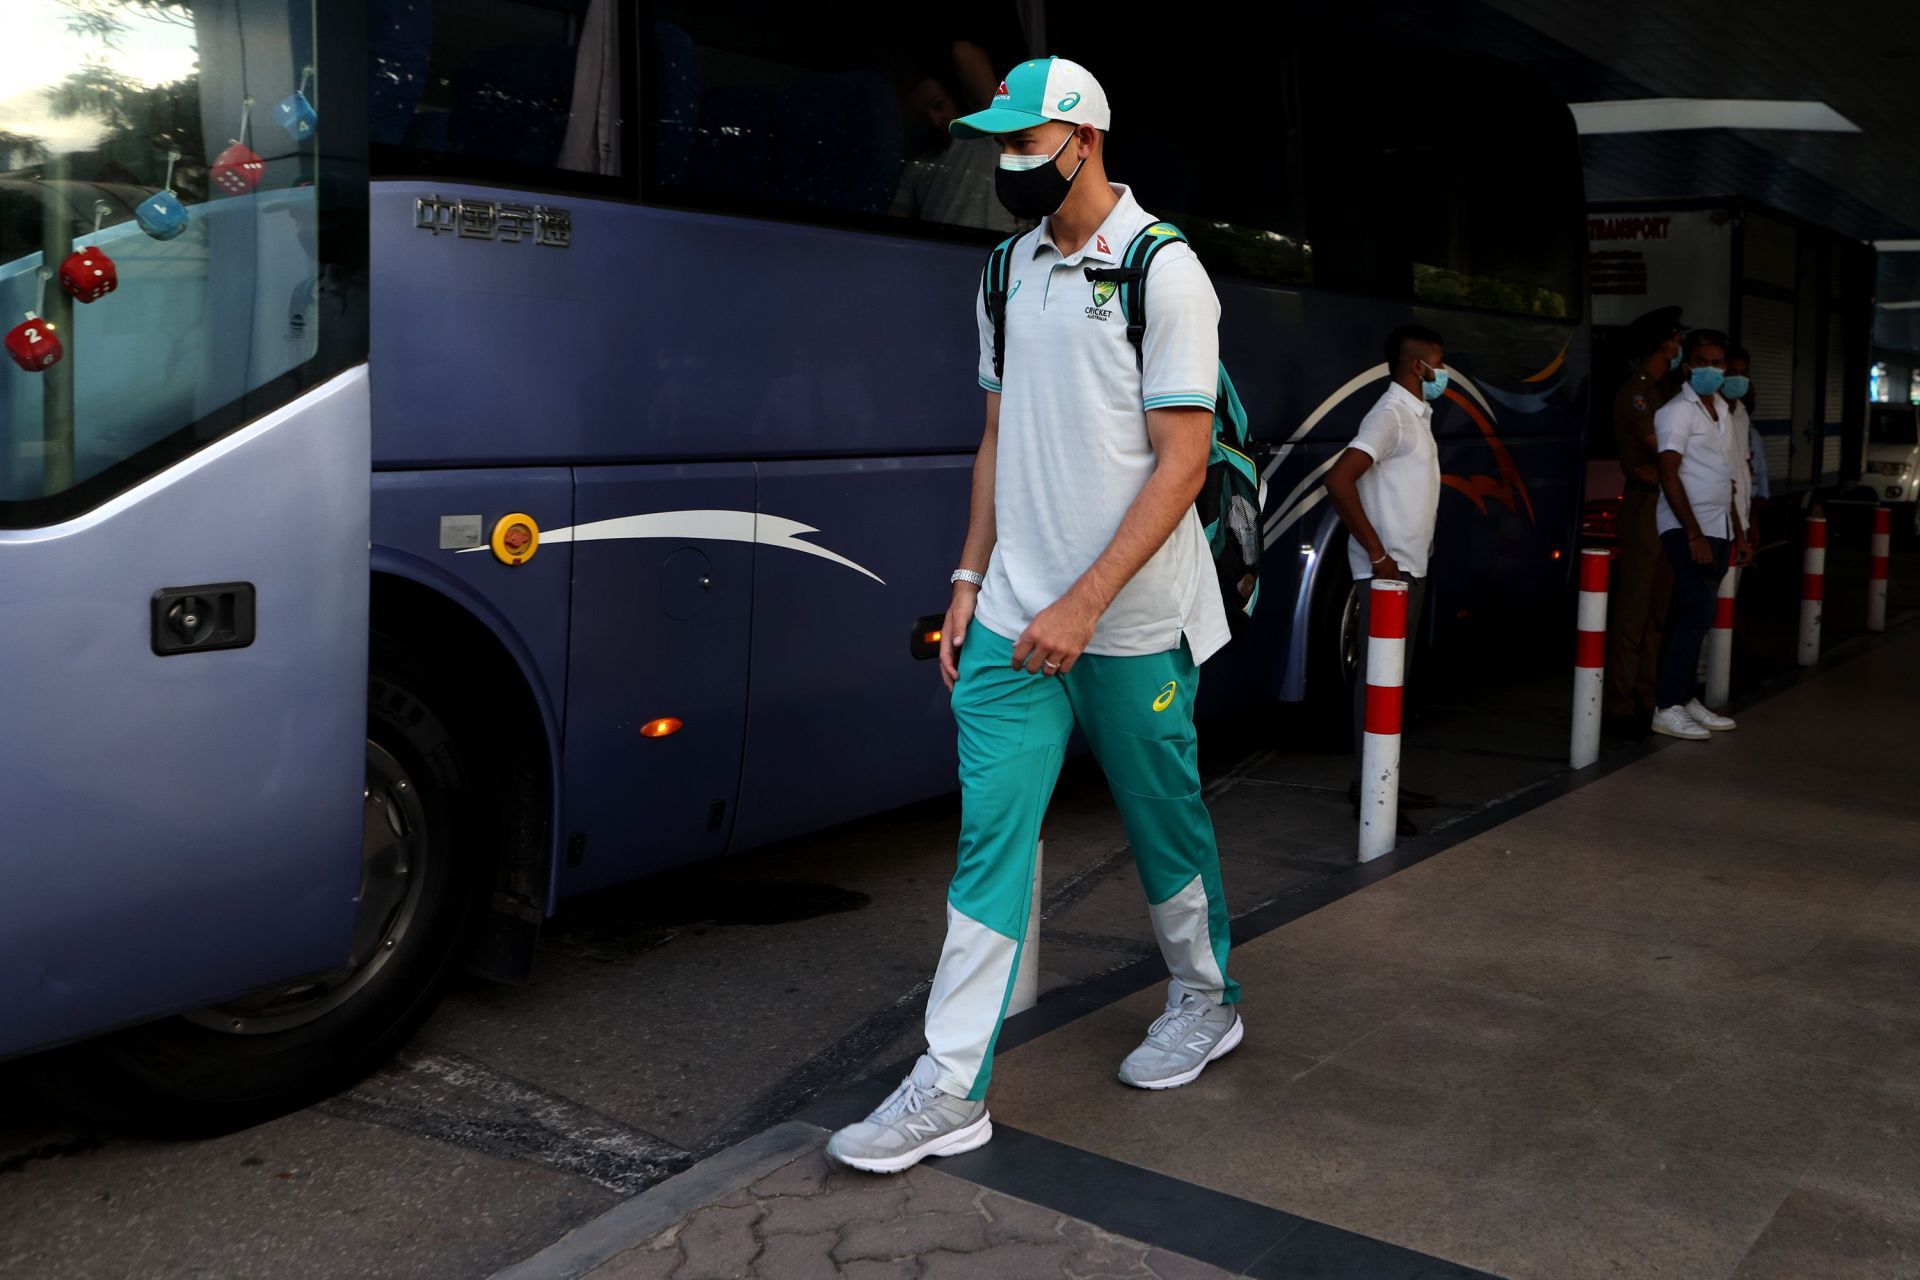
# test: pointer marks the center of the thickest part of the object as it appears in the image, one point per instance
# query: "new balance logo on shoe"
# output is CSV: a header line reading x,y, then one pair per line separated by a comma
x,y
924,1127
1201,1042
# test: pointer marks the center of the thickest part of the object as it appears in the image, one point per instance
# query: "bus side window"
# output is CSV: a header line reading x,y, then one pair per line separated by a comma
x,y
827,114
494,88
1223,164
1468,197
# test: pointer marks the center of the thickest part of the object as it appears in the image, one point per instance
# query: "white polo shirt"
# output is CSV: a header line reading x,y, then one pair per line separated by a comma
x,y
1073,449
1684,426
1400,492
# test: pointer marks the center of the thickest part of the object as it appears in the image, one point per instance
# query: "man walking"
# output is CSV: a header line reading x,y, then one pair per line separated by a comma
x,y
1643,581
1699,528
1385,487
1086,596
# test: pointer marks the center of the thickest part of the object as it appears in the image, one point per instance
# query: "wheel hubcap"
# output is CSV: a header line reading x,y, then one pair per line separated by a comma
x,y
393,848
1350,639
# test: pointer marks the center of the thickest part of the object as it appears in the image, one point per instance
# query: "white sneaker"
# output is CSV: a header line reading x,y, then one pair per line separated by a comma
x,y
1182,1041
916,1121
1708,719
1676,723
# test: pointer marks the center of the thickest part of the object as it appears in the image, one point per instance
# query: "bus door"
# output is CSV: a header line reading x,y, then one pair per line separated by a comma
x,y
657,673
183,510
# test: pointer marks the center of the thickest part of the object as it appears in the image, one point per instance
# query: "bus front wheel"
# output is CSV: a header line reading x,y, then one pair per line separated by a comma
x,y
1333,643
423,871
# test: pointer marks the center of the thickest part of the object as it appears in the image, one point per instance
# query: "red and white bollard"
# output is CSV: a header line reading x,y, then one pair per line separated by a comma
x,y
1877,570
1813,589
1720,641
1380,736
1590,655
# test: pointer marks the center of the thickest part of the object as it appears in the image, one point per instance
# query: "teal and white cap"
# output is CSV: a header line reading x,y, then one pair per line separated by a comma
x,y
1035,92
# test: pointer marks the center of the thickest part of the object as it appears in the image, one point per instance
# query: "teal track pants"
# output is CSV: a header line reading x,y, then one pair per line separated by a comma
x,y
1137,714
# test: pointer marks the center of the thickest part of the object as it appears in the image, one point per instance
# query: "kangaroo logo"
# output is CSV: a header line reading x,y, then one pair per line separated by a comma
x,y
1167,693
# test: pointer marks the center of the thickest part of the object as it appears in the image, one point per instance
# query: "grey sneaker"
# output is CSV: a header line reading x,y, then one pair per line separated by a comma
x,y
1182,1041
916,1121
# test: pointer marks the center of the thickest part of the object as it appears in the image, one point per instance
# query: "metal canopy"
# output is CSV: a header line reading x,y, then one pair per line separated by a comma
x,y
1861,57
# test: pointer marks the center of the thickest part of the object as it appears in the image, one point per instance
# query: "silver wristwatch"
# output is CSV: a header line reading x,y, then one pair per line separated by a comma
x,y
968,575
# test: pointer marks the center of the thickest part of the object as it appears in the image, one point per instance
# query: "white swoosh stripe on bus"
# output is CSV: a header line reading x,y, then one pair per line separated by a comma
x,y
1289,513
713,526
1293,517
1352,385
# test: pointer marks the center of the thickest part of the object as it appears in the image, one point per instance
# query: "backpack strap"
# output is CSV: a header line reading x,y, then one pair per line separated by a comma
x,y
993,284
1131,275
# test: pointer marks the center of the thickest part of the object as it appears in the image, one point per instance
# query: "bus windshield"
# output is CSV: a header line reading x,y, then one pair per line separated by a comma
x,y
160,242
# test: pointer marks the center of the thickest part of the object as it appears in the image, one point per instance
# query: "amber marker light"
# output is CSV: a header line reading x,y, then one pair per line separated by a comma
x,y
924,640
661,728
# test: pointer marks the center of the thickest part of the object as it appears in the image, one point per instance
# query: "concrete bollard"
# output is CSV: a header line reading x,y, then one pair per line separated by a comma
x,y
1380,739
1590,655
1813,589
1026,976
1877,570
1720,641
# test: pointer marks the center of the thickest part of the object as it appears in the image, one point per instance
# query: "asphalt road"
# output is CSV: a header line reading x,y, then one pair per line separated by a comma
x,y
674,1017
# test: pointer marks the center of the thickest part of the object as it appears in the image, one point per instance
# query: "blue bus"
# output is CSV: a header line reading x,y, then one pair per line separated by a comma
x,y
553,419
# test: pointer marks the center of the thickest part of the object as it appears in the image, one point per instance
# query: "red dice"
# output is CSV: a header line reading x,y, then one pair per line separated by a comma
x,y
88,275
32,344
238,170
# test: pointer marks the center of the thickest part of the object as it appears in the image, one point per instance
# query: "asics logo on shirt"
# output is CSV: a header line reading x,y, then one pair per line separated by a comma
x,y
1167,692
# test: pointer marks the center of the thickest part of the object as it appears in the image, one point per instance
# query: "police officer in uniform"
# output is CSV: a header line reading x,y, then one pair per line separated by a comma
x,y
1643,581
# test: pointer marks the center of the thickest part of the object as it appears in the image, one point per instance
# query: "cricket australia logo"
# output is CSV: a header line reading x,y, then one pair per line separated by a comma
x,y
1103,291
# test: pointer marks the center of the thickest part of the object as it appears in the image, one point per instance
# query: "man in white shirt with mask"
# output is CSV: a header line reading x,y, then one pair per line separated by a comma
x,y
1700,530
1386,489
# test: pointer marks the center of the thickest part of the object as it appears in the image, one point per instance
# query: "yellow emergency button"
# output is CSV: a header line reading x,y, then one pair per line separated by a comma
x,y
515,538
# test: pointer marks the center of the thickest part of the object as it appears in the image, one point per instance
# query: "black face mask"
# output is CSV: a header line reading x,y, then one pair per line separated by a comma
x,y
1037,192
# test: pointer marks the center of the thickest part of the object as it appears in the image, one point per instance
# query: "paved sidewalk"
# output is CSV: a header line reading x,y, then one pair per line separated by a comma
x,y
776,1209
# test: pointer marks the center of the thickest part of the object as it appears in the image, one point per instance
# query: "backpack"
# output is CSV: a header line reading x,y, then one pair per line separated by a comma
x,y
1233,494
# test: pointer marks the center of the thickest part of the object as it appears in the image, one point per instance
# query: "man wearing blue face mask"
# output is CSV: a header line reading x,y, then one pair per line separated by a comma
x,y
1700,528
1385,487
1750,455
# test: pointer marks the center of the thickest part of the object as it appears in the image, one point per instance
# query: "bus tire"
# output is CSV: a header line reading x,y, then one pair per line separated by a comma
x,y
233,1066
1332,624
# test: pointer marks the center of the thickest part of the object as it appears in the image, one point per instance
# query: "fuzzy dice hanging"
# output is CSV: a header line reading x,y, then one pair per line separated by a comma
x,y
161,215
32,343
89,274
295,114
238,169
